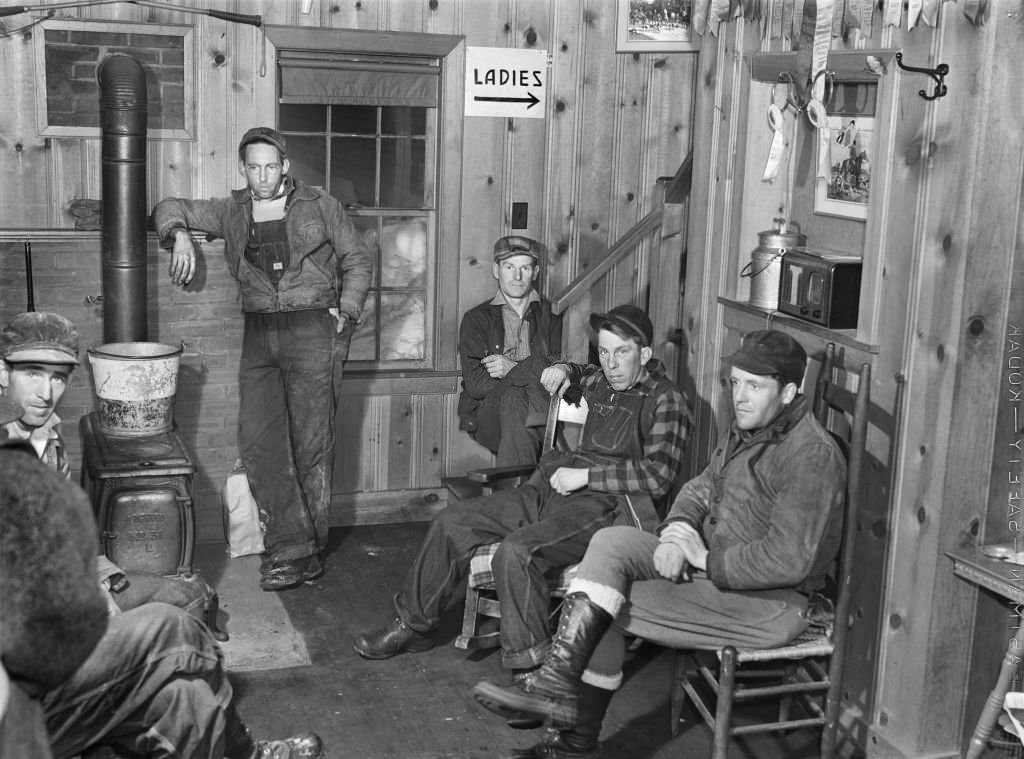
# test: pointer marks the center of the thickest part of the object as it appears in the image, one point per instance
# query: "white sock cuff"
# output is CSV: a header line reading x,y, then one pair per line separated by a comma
x,y
605,682
605,596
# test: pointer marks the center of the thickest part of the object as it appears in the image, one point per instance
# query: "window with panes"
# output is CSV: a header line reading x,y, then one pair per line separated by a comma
x,y
365,130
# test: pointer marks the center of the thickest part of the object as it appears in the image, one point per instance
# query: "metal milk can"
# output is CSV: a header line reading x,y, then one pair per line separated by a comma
x,y
765,266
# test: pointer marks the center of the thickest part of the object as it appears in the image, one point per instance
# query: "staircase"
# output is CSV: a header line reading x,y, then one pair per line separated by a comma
x,y
663,230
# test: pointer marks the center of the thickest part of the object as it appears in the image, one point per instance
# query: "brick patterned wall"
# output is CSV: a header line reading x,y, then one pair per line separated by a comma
x,y
72,90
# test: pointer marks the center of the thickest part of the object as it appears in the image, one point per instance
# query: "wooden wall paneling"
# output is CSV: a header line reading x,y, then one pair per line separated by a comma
x,y
446,18
349,14
24,155
483,171
952,383
629,184
720,118
763,200
596,96
596,91
398,444
429,427
450,201
527,136
408,17
668,140
561,225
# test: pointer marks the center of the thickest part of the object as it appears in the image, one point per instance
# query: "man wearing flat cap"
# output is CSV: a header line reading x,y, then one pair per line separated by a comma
x,y
303,273
504,345
38,353
743,545
632,442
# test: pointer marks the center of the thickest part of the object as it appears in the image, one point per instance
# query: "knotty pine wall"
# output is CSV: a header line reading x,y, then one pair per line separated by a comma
x,y
614,123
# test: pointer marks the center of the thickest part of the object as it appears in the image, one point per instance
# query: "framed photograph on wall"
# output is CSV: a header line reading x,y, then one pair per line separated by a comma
x,y
846,152
647,26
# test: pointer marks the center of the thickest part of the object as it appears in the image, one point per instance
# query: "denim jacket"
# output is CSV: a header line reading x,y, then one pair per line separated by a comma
x,y
769,504
331,266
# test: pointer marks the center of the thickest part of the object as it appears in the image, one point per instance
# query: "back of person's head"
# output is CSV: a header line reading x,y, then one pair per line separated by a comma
x,y
52,612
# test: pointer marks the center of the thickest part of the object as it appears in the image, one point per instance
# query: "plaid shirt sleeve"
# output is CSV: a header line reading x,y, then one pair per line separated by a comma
x,y
663,444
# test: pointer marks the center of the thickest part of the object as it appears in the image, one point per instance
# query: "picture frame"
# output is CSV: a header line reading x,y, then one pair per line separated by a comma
x,y
647,26
846,153
68,53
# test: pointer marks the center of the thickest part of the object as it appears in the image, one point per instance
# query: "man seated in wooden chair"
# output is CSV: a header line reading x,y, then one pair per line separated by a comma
x,y
505,343
632,442
758,529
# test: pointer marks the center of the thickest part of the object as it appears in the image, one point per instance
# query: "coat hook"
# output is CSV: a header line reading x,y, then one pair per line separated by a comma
x,y
938,74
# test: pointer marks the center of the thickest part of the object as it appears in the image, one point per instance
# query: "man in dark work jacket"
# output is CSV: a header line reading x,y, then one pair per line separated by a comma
x,y
504,345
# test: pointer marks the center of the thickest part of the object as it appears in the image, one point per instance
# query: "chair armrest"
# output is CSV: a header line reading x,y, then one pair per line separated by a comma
x,y
498,473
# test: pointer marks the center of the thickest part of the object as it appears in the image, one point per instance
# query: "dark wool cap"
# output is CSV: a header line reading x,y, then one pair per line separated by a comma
x,y
516,245
630,320
770,352
38,337
263,134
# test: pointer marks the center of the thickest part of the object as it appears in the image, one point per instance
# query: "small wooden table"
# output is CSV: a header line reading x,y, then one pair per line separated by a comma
x,y
1007,580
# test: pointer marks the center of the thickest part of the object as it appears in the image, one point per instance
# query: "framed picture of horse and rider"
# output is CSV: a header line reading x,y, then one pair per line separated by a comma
x,y
846,152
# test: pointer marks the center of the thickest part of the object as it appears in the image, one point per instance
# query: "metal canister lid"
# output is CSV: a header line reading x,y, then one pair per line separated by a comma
x,y
773,238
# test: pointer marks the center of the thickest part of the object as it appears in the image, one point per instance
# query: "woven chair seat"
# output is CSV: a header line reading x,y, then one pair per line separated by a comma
x,y
806,645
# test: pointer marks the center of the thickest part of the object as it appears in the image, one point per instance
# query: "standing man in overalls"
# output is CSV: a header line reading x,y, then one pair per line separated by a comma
x,y
303,272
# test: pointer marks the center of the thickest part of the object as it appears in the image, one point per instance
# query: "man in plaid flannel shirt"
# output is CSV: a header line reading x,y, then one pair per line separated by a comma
x,y
632,442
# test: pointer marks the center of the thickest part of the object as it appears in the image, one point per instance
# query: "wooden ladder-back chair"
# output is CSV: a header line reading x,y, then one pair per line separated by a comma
x,y
562,431
810,668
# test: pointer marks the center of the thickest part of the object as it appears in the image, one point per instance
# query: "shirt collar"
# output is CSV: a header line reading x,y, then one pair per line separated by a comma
x,y
499,298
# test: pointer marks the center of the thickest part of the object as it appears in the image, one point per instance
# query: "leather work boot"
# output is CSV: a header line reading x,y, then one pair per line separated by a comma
x,y
394,639
581,741
302,746
550,692
290,573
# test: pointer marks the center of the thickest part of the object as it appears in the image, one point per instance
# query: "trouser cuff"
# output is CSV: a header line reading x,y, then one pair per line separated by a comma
x,y
604,596
605,682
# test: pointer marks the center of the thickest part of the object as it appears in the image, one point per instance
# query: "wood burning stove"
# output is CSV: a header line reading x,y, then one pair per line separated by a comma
x,y
141,492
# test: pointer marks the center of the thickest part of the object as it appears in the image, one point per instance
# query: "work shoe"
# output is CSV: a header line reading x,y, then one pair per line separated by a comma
x,y
290,573
394,639
301,746
557,745
550,692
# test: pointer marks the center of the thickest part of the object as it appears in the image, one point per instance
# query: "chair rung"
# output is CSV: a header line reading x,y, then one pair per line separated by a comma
x,y
748,694
698,702
768,727
473,642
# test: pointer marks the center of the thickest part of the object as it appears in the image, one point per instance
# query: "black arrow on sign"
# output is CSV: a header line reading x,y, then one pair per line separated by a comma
x,y
532,100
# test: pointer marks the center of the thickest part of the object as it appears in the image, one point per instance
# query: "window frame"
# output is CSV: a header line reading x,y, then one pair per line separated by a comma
x,y
441,324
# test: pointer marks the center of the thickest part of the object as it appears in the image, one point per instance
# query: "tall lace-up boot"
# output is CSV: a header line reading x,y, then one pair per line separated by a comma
x,y
551,692
580,742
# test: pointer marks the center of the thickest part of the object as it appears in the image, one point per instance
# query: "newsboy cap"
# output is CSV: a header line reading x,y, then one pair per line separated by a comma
x,y
516,245
770,352
38,337
629,320
263,134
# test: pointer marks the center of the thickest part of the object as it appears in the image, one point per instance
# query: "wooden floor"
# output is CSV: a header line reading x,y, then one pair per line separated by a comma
x,y
418,706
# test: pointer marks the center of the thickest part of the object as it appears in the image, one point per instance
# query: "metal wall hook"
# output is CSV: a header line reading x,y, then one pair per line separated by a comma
x,y
938,74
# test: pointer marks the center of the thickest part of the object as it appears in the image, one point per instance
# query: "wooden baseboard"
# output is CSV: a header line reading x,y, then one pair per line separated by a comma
x,y
352,509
